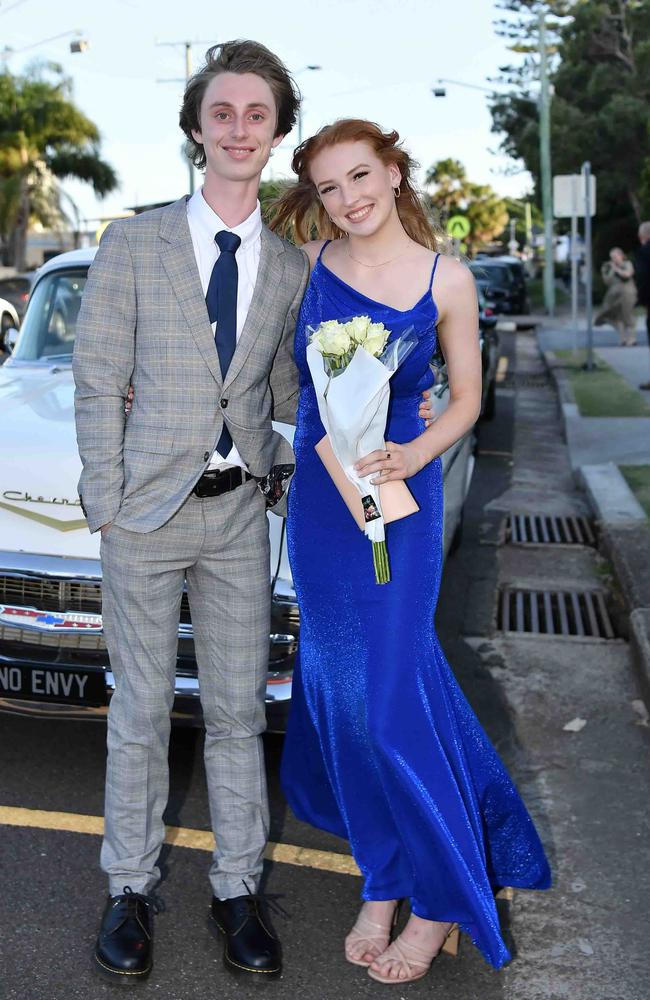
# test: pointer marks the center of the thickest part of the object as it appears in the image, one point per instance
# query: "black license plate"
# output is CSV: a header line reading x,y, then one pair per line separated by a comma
x,y
42,683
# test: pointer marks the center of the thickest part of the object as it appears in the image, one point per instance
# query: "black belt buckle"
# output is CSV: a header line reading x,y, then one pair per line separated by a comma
x,y
215,482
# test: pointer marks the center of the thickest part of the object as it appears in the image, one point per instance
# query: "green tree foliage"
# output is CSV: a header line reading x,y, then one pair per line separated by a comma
x,y
269,191
450,192
600,69
43,135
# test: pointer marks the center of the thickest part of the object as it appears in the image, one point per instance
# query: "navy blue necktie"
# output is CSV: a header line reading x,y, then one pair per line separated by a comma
x,y
221,300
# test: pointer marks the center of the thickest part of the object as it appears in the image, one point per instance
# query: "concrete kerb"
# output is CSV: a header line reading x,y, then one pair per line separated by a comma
x,y
566,397
640,639
625,529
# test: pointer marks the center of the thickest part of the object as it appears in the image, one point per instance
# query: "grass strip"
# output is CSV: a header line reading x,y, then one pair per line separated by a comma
x,y
601,392
638,479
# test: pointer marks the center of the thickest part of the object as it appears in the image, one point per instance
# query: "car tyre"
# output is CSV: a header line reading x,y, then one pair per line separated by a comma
x,y
489,409
457,538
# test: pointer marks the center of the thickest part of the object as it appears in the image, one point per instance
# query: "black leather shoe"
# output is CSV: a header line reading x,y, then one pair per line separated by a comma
x,y
124,949
251,944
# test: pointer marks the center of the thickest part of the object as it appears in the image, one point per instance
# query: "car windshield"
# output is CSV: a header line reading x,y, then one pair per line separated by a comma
x,y
50,323
498,273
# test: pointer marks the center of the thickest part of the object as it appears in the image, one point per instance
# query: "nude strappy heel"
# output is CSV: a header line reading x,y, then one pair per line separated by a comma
x,y
373,936
415,961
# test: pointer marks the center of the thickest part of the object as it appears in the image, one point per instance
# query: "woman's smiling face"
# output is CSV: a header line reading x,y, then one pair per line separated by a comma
x,y
355,186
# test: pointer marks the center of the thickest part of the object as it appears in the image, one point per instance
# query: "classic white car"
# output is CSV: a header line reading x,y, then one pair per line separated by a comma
x,y
53,659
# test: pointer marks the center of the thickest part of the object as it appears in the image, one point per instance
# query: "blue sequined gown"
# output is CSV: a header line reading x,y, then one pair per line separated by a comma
x,y
382,748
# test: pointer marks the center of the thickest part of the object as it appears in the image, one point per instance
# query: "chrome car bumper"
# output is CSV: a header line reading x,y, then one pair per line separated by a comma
x,y
51,638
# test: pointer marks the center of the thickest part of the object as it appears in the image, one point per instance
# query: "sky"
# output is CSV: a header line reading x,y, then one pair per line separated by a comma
x,y
379,59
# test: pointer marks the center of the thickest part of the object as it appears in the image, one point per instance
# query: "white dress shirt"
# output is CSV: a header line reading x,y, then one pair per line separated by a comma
x,y
204,225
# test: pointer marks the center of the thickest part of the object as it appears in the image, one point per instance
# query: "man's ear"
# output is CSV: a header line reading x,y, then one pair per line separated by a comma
x,y
277,140
197,136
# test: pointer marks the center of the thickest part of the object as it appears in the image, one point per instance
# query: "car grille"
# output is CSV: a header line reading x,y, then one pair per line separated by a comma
x,y
50,595
93,642
60,595
46,594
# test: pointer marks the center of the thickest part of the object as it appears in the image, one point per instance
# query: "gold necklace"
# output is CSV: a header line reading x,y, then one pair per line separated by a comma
x,y
363,263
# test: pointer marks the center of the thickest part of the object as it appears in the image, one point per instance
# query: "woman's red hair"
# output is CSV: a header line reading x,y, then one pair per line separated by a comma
x,y
299,213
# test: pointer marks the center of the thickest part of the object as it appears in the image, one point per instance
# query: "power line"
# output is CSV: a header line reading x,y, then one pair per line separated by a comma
x,y
13,6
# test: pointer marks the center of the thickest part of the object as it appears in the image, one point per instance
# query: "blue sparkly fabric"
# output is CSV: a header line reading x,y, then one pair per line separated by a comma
x,y
382,747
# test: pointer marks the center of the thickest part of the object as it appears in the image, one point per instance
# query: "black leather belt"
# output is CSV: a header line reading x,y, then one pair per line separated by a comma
x,y
214,482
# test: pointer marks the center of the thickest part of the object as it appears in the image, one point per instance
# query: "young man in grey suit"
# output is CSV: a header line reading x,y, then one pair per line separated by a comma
x,y
196,305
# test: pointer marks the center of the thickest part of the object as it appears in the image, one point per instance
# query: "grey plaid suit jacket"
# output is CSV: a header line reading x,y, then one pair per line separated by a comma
x,y
143,319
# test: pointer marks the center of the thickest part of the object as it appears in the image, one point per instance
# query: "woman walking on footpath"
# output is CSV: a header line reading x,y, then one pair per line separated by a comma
x,y
618,304
382,747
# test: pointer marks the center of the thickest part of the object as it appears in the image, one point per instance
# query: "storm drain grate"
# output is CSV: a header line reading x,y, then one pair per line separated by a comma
x,y
577,613
549,529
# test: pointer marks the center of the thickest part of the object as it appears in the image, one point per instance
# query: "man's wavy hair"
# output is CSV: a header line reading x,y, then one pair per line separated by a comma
x,y
240,56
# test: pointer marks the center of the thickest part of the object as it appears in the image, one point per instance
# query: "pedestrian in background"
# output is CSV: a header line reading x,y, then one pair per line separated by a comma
x,y
618,304
642,273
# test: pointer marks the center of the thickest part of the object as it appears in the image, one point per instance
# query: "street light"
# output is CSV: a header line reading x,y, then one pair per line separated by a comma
x,y
543,106
79,46
305,69
188,72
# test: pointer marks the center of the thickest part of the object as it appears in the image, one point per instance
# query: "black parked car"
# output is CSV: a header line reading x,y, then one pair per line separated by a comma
x,y
487,321
489,341
503,282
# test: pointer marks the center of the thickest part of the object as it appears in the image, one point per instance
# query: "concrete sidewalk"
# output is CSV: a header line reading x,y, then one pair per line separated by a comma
x,y
598,440
596,447
588,785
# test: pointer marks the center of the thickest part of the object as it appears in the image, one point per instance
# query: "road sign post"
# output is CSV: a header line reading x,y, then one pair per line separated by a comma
x,y
574,195
459,228
587,176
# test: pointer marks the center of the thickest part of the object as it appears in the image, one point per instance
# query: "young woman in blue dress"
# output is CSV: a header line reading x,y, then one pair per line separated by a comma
x,y
382,747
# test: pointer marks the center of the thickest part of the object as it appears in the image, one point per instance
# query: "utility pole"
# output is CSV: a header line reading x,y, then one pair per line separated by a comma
x,y
188,72
545,165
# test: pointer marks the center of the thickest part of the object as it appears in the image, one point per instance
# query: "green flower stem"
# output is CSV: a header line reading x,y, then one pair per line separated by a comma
x,y
380,561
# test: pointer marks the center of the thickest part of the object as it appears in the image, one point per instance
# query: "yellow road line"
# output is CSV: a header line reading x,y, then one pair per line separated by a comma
x,y
200,840
502,368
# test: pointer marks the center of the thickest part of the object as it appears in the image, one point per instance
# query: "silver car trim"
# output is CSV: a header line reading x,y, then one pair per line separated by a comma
x,y
57,567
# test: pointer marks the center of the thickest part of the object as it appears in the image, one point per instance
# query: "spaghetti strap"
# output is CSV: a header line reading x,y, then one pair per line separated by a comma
x,y
433,271
325,244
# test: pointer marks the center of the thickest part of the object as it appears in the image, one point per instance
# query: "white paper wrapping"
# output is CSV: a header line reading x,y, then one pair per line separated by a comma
x,y
353,408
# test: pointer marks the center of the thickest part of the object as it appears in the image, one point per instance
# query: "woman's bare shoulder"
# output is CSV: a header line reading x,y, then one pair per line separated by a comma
x,y
455,273
313,249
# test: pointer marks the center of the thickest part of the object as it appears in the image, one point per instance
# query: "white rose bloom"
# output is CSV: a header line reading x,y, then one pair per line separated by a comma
x,y
358,328
316,340
375,329
337,343
329,327
374,344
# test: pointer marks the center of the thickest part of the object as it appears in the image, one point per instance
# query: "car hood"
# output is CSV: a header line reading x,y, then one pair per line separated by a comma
x,y
39,506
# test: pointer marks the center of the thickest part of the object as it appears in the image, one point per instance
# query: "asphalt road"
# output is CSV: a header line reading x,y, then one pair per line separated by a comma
x,y
53,891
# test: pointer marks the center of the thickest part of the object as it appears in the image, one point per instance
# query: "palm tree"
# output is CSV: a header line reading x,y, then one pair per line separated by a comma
x,y
454,194
42,134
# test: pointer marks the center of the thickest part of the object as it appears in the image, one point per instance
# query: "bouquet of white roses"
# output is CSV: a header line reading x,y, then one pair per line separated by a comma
x,y
351,364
